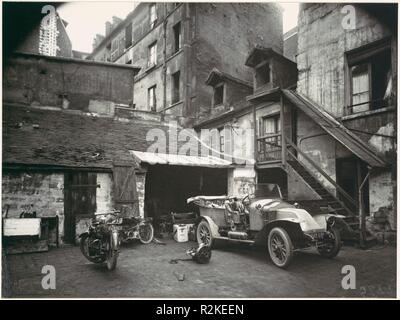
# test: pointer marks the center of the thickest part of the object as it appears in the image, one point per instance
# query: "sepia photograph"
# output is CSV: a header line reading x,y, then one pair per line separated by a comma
x,y
199,150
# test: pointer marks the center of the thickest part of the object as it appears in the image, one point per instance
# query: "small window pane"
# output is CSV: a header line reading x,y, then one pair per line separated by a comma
x,y
360,86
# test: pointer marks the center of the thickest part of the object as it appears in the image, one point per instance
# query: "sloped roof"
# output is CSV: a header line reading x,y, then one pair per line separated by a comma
x,y
216,76
34,136
334,128
259,53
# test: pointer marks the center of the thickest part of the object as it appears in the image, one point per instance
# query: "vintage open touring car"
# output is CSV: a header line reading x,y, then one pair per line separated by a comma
x,y
267,219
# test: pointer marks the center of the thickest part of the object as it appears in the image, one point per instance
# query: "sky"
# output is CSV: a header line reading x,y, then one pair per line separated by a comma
x,y
85,19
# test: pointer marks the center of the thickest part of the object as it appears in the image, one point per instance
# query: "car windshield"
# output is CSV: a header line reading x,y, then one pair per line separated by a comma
x,y
267,190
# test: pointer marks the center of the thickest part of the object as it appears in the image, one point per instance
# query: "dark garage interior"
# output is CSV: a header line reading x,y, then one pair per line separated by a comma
x,y
168,187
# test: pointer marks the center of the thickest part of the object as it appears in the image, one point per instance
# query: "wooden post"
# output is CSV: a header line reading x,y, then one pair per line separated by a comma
x,y
255,133
283,140
361,206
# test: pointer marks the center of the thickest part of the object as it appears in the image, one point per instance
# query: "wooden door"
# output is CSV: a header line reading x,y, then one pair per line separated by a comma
x,y
80,200
125,192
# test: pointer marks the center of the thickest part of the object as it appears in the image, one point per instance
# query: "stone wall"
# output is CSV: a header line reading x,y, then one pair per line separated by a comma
x,y
225,35
321,51
45,191
68,83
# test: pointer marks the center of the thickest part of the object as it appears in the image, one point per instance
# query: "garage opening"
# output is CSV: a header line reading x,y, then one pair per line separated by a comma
x,y
168,187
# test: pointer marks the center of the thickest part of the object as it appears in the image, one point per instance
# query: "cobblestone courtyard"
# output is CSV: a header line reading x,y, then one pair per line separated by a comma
x,y
235,271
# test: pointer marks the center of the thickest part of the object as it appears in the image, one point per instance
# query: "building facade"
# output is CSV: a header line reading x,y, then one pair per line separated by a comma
x,y
351,73
178,44
323,129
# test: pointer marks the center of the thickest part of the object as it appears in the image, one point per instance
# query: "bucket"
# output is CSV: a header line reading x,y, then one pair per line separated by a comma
x,y
180,232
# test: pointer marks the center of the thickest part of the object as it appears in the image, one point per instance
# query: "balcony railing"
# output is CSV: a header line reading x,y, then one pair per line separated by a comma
x,y
269,148
365,106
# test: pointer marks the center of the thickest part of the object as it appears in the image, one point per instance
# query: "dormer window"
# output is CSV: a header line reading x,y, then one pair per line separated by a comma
x,y
219,91
263,74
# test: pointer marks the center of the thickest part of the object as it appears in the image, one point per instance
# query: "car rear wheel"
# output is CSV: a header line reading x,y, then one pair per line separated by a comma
x,y
280,247
332,245
204,234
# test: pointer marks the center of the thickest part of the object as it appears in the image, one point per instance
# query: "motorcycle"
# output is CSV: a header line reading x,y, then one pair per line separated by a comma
x,y
137,228
101,242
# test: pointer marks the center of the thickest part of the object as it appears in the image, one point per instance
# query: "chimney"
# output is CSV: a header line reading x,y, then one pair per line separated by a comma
x,y
108,28
97,39
115,21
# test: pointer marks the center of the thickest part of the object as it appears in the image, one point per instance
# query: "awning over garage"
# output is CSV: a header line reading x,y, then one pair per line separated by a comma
x,y
180,160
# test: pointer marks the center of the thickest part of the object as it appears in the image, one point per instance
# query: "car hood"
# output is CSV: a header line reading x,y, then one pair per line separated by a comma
x,y
288,212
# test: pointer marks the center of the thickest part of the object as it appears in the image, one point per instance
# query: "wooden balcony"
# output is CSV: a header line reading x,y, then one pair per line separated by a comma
x,y
269,148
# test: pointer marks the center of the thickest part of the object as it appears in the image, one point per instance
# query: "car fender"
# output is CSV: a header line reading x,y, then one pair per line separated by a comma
x,y
212,224
292,227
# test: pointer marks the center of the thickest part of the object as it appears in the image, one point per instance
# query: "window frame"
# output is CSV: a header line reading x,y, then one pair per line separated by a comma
x,y
153,106
128,43
177,40
358,56
151,63
153,19
221,85
176,92
263,64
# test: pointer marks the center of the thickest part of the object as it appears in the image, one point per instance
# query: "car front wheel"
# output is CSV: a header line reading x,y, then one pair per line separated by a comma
x,y
332,244
280,247
204,233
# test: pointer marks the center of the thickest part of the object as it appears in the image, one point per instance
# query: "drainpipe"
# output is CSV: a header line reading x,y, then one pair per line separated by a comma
x,y
362,212
164,67
187,52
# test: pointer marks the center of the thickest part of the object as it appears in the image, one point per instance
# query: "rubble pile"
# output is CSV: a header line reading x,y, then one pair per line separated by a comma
x,y
378,225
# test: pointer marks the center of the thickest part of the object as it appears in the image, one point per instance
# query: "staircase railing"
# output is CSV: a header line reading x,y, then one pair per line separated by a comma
x,y
339,189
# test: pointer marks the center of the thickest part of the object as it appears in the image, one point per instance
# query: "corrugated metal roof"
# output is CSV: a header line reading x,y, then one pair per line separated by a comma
x,y
180,160
334,128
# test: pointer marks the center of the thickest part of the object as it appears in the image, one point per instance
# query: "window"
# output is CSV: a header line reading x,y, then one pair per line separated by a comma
x,y
128,35
114,47
152,55
269,146
263,75
271,125
176,87
370,78
219,95
360,86
151,97
177,37
153,15
221,133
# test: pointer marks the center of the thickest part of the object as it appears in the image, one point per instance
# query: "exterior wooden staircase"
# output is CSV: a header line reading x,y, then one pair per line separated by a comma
x,y
329,202
327,199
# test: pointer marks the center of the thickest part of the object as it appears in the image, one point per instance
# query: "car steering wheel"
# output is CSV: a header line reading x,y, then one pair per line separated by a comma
x,y
246,197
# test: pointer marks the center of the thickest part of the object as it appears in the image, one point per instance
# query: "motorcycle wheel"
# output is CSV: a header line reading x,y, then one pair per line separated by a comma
x,y
146,233
112,254
85,250
112,257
